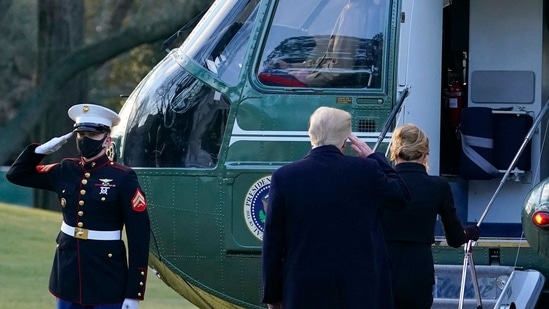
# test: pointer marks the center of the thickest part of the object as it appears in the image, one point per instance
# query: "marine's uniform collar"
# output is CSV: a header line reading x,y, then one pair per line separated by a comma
x,y
102,160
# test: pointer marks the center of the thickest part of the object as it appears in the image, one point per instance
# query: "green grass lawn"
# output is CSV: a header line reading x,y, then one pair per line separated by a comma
x,y
27,245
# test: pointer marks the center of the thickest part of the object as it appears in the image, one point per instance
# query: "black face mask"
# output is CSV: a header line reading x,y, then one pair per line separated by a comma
x,y
89,148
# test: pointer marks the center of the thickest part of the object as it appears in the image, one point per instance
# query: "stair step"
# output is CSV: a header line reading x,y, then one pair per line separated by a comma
x,y
491,279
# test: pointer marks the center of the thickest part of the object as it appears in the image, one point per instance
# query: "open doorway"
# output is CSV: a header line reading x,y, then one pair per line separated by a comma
x,y
455,48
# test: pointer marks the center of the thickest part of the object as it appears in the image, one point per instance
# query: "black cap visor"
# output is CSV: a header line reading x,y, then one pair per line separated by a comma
x,y
91,127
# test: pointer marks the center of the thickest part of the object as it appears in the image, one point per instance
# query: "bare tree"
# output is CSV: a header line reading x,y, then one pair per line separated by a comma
x,y
63,70
18,49
61,30
121,8
4,7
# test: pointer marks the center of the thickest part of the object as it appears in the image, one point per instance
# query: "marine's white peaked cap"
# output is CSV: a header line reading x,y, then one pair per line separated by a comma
x,y
92,117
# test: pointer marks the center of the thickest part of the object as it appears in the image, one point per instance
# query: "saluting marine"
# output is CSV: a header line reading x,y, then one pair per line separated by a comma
x,y
98,197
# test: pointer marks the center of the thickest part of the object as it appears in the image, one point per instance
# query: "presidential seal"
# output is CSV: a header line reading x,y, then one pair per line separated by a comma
x,y
255,206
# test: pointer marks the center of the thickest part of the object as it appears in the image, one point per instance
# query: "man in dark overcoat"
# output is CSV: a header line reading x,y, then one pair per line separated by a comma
x,y
323,245
98,198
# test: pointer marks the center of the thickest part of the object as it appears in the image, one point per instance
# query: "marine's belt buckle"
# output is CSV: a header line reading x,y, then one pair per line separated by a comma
x,y
80,233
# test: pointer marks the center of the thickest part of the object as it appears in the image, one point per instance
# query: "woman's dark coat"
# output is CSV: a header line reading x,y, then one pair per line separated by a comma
x,y
410,232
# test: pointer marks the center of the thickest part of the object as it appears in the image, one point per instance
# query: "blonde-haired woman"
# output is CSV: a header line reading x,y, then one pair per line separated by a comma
x,y
409,233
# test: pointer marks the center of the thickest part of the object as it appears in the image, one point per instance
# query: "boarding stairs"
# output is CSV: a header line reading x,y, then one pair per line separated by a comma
x,y
501,287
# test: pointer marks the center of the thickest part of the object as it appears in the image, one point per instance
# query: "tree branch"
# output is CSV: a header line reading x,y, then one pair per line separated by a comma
x,y
15,131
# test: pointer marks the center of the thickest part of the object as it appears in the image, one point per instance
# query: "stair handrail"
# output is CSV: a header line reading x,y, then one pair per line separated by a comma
x,y
468,256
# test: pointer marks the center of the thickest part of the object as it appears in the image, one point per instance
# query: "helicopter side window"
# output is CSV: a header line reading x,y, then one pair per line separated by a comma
x,y
178,121
226,63
325,44
225,46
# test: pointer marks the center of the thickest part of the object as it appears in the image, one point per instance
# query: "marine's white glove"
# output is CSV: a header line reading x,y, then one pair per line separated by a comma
x,y
130,303
53,144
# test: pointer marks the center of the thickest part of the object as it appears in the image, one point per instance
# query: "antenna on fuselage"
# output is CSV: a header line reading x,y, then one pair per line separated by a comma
x,y
405,92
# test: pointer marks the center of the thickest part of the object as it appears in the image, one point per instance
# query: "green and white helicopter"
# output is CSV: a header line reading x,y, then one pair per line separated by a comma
x,y
208,125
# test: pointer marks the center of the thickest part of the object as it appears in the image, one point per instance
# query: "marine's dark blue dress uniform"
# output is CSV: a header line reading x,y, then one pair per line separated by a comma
x,y
95,196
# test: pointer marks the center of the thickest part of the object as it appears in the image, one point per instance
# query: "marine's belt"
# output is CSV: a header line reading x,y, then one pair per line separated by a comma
x,y
80,233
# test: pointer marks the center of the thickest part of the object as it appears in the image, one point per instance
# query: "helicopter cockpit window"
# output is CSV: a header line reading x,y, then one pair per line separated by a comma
x,y
325,44
220,44
176,121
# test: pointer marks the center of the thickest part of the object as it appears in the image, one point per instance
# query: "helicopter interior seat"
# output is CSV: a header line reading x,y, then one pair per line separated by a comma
x,y
362,73
490,139
312,52
363,70
281,38
288,44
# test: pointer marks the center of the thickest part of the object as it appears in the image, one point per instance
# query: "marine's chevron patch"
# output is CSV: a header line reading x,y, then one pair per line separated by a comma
x,y
138,201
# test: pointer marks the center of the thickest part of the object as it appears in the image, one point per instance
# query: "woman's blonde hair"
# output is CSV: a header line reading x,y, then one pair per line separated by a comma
x,y
329,126
408,143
